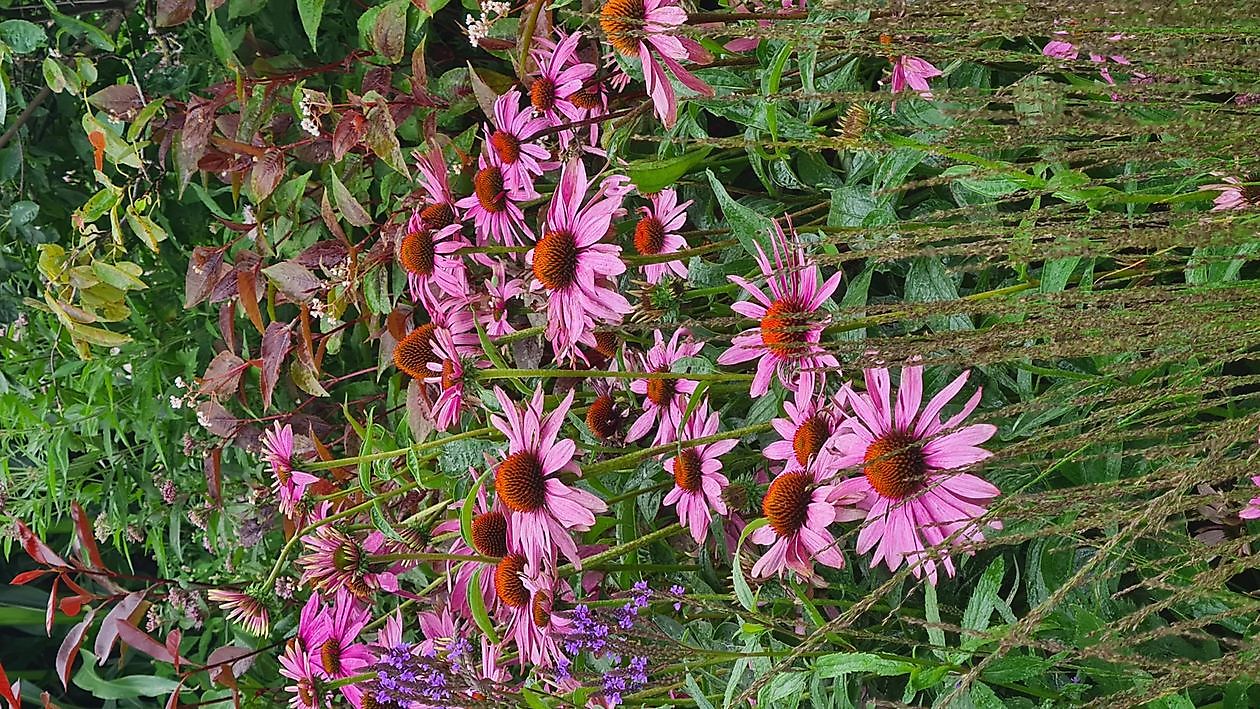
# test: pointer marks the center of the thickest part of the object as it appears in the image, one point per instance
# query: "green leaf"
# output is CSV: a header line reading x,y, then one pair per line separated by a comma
x,y
145,228
696,694
382,134
1056,273
389,30
311,12
117,277
748,226
655,175
306,379
376,291
222,46
347,204
932,614
742,591
928,281
382,524
23,213
54,77
478,606
864,662
128,687
466,510
22,37
984,599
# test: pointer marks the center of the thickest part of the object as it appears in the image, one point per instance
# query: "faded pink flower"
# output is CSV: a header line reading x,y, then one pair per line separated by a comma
x,y
799,506
664,400
811,420
242,607
336,560
331,637
786,340
913,495
541,508
912,72
499,289
290,485
1234,194
698,482
648,29
657,233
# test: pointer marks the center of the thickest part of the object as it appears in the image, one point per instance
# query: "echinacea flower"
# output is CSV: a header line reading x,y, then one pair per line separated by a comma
x,y
1252,510
290,484
244,607
499,290
786,340
495,205
295,664
912,72
331,638
698,482
527,593
914,496
542,509
605,415
448,375
657,233
664,400
799,506
1235,193
648,29
489,532
571,264
561,74
432,258
511,141
811,420
415,352
336,560
439,210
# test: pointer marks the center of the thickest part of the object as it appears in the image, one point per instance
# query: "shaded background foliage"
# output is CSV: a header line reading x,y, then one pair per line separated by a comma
x,y
1032,222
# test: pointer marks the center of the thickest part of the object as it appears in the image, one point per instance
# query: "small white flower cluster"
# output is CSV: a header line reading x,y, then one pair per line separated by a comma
x,y
479,27
186,398
309,124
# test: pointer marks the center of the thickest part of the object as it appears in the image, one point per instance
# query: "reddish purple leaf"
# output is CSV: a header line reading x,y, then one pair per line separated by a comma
x,y
214,474
173,702
174,12
37,549
276,343
69,650
195,135
8,691
227,325
225,664
223,375
122,101
203,273
294,280
50,613
172,645
86,537
108,633
28,576
323,254
350,130
266,173
143,642
247,287
218,420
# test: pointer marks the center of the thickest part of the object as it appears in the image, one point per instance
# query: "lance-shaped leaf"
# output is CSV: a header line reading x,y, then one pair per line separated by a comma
x,y
382,135
276,343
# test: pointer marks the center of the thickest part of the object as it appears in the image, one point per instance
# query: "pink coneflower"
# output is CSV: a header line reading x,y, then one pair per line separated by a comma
x,y
527,593
290,485
1252,510
649,29
336,560
511,140
439,210
657,233
561,74
295,664
1062,49
499,290
664,400
811,420
432,258
243,607
449,376
1235,193
747,44
698,484
490,538
912,72
606,414
495,205
799,506
413,354
786,340
571,264
542,509
913,499
331,640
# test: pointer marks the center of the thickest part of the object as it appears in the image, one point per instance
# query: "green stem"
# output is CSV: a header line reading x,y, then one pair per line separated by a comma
x,y
434,556
521,334
617,463
382,455
527,38
493,250
620,549
643,259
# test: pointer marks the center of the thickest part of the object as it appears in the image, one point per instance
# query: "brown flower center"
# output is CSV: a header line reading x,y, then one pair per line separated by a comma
x,y
810,437
506,145
417,253
621,20
330,656
488,186
602,418
784,329
587,98
540,605
449,377
508,585
894,466
519,482
606,343
437,216
542,94
649,236
415,351
555,259
661,391
786,503
489,534
687,470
